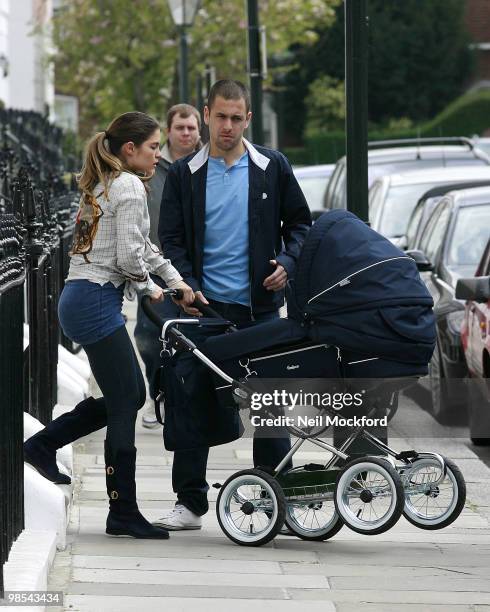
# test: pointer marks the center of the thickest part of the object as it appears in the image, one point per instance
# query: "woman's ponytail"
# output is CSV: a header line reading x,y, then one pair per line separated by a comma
x,y
102,165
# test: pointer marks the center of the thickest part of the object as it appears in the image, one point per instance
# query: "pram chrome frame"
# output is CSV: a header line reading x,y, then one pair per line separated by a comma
x,y
177,339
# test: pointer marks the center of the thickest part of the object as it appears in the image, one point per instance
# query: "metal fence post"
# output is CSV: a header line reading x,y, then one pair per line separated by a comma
x,y
254,70
356,89
12,277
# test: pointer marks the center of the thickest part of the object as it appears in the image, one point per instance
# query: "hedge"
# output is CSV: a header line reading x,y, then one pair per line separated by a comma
x,y
466,116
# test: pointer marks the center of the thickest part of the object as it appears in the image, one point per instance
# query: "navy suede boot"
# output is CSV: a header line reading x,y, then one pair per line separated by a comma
x,y
40,450
124,518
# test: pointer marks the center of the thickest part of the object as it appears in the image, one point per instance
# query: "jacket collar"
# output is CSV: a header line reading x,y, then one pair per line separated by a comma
x,y
202,156
166,154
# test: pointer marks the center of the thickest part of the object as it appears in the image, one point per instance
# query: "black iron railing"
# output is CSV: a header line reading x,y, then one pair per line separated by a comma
x,y
12,276
37,210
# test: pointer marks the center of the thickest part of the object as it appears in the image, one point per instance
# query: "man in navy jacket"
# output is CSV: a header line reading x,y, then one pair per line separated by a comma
x,y
233,220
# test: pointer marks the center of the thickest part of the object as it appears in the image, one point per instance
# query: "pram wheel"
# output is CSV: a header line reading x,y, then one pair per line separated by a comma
x,y
430,504
251,507
315,521
369,495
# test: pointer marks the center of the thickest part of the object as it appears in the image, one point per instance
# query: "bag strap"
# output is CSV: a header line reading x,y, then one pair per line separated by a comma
x,y
166,360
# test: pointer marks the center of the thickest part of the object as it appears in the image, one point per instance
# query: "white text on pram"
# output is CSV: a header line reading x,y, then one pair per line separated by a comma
x,y
289,400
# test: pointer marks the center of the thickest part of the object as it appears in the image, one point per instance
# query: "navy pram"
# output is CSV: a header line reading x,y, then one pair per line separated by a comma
x,y
353,290
357,309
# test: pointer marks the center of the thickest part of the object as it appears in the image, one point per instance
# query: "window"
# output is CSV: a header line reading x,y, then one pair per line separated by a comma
x,y
340,194
436,237
470,236
398,206
374,200
314,190
414,223
331,186
431,225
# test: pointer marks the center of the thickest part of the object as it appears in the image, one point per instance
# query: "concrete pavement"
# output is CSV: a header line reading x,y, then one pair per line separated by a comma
x,y
405,569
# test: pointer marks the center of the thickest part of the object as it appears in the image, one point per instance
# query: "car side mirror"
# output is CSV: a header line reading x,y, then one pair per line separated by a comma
x,y
400,242
420,258
476,289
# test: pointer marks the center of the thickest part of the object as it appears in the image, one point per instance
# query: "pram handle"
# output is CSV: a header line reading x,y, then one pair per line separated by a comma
x,y
152,314
206,310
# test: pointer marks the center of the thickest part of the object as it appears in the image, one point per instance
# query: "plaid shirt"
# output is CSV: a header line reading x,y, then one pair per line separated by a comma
x,y
122,251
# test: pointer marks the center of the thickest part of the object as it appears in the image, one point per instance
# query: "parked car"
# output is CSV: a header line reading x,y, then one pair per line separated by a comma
x,y
392,198
313,181
426,205
390,156
450,248
475,337
482,143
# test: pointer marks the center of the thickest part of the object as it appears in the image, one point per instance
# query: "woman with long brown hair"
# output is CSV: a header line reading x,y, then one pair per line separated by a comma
x,y
111,255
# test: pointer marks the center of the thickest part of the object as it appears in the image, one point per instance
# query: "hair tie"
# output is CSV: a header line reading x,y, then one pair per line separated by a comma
x,y
105,142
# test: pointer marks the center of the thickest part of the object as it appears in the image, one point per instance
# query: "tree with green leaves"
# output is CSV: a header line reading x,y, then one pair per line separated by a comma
x,y
419,60
325,104
120,55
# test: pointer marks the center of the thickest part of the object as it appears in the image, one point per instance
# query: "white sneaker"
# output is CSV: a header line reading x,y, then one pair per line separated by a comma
x,y
178,519
148,418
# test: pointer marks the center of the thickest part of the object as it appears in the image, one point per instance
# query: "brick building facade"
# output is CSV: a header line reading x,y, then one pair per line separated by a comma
x,y
478,24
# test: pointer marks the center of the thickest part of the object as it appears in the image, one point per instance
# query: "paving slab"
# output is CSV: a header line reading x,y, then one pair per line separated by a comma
x,y
374,571
178,604
377,607
234,566
194,547
200,578
396,598
166,591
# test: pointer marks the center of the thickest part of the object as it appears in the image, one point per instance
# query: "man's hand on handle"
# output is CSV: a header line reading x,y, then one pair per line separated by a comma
x,y
188,295
194,311
277,280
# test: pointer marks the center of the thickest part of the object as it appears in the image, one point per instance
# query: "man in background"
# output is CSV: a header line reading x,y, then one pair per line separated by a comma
x,y
183,138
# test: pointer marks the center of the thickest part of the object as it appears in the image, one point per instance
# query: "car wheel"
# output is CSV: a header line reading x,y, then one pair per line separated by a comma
x,y
448,406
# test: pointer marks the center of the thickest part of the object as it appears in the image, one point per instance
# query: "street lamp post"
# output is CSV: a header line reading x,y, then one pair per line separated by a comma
x,y
183,13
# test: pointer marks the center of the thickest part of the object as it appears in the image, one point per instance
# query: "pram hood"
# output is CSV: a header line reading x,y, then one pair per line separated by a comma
x,y
355,289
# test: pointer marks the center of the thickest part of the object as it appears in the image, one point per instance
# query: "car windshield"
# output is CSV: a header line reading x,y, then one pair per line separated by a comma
x,y
398,206
470,236
314,190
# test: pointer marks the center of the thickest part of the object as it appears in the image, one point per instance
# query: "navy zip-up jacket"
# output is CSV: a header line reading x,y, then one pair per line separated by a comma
x,y
278,217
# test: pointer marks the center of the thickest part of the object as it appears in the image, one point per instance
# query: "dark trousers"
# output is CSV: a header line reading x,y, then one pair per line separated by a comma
x,y
115,368
189,467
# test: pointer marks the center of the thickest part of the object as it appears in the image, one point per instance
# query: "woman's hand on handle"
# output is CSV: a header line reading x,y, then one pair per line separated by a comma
x,y
157,295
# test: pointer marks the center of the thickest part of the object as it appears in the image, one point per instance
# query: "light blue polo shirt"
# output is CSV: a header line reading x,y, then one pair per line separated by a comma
x,y
226,260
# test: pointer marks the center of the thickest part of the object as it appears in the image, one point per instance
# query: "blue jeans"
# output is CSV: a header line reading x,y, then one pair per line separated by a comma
x,y
189,467
89,312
